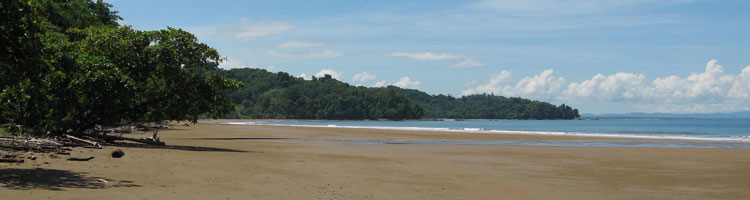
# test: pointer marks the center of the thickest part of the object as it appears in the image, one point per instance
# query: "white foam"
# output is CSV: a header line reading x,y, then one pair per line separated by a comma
x,y
616,135
514,132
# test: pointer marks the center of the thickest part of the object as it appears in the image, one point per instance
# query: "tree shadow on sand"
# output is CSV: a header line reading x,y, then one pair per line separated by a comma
x,y
241,138
178,147
54,179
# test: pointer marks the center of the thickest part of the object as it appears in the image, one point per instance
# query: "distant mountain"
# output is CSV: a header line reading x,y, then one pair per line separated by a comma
x,y
282,96
485,106
743,114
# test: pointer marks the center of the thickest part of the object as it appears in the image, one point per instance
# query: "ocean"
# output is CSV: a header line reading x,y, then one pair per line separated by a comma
x,y
688,133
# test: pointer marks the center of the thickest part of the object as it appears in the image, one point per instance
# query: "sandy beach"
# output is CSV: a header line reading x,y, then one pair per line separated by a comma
x,y
214,161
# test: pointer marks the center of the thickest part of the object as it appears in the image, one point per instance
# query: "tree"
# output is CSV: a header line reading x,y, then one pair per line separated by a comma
x,y
56,81
21,64
64,14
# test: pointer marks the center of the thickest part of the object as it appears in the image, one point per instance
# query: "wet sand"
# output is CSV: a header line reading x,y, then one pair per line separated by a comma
x,y
213,161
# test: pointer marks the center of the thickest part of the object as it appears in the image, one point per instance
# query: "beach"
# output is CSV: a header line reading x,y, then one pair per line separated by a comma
x,y
211,160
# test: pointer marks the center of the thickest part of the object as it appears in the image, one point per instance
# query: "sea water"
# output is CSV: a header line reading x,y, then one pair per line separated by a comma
x,y
691,133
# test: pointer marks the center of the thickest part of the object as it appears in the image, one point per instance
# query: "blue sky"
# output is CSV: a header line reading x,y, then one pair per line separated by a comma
x,y
601,56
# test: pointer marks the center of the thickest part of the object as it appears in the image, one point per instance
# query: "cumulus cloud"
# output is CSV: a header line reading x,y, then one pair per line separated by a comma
x,y
382,83
299,44
303,76
470,62
426,55
334,74
363,77
313,54
250,30
709,91
231,63
404,82
617,87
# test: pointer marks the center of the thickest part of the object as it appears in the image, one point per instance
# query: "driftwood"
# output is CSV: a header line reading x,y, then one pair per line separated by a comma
x,y
93,138
81,159
29,144
150,141
82,140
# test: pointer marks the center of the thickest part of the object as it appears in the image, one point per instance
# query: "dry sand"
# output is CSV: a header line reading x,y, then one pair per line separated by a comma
x,y
211,161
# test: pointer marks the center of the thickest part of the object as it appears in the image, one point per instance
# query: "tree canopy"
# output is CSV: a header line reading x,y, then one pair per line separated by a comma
x,y
67,66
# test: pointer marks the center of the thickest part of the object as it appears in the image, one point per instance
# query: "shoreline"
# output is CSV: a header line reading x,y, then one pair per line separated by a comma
x,y
552,135
213,161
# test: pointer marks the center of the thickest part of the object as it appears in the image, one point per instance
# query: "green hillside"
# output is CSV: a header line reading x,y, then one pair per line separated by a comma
x,y
485,106
282,96
279,95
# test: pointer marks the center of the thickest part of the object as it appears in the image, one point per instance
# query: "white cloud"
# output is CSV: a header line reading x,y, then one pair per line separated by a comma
x,y
382,83
616,87
470,62
426,55
363,77
231,63
304,76
709,91
405,82
467,62
334,74
496,85
250,30
313,54
562,7
299,44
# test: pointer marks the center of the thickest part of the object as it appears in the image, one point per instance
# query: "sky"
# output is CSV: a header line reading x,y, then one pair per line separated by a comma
x,y
600,56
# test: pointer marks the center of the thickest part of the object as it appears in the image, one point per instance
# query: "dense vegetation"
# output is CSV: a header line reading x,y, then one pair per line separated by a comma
x,y
485,106
67,66
281,96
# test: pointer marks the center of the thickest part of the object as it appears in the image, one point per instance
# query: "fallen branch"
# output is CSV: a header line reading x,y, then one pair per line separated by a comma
x,y
82,140
141,140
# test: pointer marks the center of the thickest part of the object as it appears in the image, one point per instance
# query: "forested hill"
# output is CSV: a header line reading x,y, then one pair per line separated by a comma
x,y
485,106
282,96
